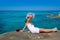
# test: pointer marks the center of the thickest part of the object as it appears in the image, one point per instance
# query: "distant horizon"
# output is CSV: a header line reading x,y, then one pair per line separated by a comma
x,y
30,10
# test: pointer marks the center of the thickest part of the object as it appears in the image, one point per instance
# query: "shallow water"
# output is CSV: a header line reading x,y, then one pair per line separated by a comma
x,y
10,20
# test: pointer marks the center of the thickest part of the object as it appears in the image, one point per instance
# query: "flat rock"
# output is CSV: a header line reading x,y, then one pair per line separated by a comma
x,y
29,36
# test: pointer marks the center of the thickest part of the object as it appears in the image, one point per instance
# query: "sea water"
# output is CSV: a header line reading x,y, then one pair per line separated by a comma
x,y
10,20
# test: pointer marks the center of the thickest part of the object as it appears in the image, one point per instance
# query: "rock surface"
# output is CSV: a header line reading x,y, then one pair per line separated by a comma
x,y
29,36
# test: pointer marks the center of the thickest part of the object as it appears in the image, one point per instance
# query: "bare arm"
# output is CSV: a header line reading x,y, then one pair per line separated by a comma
x,y
27,21
24,27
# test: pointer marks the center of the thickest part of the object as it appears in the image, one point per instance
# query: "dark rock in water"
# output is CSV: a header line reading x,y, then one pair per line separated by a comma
x,y
29,36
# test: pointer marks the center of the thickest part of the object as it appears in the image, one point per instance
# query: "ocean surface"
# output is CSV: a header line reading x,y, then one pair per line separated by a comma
x,y
10,20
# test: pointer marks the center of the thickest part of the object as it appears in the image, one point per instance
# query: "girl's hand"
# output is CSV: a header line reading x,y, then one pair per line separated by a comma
x,y
21,30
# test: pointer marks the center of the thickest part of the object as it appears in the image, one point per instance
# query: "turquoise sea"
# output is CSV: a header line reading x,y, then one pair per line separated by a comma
x,y
10,20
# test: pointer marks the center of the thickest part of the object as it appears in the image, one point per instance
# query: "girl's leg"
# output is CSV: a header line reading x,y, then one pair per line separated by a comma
x,y
47,30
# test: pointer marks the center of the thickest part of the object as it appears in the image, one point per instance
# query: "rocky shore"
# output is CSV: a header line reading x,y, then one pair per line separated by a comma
x,y
29,36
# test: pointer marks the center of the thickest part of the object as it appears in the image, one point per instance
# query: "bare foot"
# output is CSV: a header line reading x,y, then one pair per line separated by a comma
x,y
54,29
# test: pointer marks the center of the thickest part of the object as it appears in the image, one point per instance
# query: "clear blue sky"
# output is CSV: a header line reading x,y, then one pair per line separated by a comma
x,y
29,4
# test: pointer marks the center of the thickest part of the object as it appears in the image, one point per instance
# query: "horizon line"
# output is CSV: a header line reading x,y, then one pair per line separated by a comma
x,y
30,10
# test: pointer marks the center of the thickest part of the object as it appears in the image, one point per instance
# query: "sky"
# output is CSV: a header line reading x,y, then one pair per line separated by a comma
x,y
30,5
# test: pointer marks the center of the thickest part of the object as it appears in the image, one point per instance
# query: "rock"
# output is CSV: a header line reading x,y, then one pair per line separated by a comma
x,y
29,36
